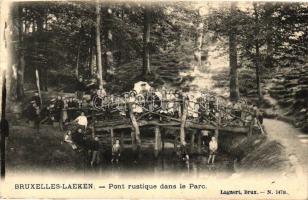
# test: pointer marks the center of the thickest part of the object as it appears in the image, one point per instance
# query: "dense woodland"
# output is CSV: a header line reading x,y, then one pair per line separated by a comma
x,y
117,44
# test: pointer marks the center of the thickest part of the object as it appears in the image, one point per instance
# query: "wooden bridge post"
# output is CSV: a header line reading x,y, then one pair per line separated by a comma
x,y
199,142
250,130
251,124
93,131
217,126
122,140
192,142
163,139
112,136
183,122
93,125
133,140
135,132
157,146
175,143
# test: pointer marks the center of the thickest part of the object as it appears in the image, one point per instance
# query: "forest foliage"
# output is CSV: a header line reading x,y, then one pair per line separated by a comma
x,y
59,38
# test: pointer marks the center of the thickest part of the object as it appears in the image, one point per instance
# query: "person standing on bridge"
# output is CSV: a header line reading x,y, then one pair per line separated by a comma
x,y
59,105
37,99
213,145
80,88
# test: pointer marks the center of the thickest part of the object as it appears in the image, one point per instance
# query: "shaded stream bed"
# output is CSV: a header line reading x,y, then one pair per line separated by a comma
x,y
46,152
167,163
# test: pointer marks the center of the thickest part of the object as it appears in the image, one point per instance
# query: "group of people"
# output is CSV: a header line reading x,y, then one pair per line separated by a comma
x,y
212,151
201,106
80,140
53,111
77,135
143,98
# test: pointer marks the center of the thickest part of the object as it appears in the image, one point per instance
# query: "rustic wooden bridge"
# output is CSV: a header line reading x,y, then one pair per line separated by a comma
x,y
170,110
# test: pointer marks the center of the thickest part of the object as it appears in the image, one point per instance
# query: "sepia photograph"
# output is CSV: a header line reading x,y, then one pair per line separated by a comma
x,y
154,99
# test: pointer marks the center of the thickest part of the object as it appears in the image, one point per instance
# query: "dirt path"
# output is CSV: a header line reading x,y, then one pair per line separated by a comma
x,y
295,141
201,77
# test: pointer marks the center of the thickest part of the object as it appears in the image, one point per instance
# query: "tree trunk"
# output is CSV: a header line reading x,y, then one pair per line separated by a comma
x,y
234,87
121,45
3,131
21,63
40,23
268,37
257,56
92,58
146,40
45,79
37,77
77,59
90,54
109,64
199,42
101,75
40,29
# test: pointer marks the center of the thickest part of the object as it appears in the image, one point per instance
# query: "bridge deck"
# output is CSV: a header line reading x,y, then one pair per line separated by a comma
x,y
122,124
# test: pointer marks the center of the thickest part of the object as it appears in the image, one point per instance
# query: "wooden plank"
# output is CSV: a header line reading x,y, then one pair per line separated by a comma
x,y
209,127
128,124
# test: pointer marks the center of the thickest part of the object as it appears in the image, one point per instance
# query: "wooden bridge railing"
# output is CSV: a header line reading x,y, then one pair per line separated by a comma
x,y
180,112
176,111
207,111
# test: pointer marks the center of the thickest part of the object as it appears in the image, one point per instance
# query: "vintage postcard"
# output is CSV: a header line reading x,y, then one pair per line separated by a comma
x,y
154,99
